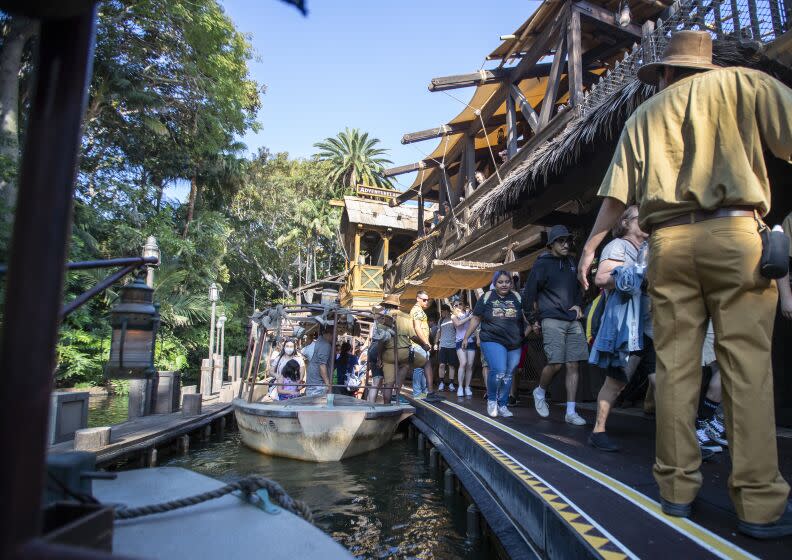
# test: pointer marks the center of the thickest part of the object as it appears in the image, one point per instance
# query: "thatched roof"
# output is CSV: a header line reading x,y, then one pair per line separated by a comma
x,y
604,123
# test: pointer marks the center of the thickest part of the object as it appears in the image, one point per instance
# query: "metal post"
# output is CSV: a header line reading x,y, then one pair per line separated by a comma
x,y
213,298
151,249
34,285
222,348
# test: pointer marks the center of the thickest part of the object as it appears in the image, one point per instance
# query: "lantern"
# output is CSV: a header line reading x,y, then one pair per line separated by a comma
x,y
213,292
135,320
624,15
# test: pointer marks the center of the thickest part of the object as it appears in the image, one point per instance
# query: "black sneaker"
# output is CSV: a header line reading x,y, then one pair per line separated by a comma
x,y
601,441
433,397
781,527
716,431
512,400
704,441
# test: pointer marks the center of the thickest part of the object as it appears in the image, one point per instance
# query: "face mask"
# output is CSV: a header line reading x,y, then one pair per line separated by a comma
x,y
289,351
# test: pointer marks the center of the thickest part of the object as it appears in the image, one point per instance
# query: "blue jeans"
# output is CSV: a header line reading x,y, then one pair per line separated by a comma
x,y
418,381
501,366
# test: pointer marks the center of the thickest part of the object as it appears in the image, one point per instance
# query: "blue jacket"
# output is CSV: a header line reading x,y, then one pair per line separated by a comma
x,y
622,327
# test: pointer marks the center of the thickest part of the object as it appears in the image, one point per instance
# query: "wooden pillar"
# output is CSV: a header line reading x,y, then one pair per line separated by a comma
x,y
356,254
386,246
443,188
552,82
575,63
421,230
511,126
469,163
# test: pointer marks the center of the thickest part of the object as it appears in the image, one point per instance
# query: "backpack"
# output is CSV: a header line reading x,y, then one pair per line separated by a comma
x,y
594,316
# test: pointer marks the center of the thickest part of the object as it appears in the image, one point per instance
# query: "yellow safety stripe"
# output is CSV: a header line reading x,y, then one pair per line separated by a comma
x,y
695,532
599,539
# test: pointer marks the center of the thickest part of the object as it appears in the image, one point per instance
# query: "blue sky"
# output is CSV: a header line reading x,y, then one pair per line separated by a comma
x,y
365,64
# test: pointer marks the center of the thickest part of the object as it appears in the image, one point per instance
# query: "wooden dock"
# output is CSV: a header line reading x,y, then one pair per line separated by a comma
x,y
142,436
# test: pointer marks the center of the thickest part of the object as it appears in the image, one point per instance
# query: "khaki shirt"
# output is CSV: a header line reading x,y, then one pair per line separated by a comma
x,y
404,331
698,145
787,225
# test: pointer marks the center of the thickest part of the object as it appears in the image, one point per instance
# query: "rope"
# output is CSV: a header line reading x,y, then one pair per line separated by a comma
x,y
248,486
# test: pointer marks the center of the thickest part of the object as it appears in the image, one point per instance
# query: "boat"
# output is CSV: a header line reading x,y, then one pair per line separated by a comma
x,y
319,429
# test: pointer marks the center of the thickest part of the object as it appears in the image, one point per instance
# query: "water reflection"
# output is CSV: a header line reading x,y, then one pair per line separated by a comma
x,y
385,504
107,410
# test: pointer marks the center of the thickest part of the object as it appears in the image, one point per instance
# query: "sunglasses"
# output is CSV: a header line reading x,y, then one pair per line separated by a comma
x,y
423,299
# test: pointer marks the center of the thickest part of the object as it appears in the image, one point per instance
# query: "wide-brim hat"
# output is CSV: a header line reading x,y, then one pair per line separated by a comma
x,y
685,49
391,299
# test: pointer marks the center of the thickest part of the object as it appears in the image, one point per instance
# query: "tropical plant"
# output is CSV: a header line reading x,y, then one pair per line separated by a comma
x,y
354,159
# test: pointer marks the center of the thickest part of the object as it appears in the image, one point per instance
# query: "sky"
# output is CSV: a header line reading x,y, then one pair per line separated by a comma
x,y
365,64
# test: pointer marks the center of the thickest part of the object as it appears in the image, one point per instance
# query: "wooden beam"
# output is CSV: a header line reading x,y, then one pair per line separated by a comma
x,y
402,169
441,131
511,126
548,103
467,80
469,161
575,61
525,108
605,16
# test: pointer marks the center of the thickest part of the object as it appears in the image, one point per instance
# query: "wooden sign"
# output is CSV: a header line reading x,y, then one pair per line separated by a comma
x,y
376,192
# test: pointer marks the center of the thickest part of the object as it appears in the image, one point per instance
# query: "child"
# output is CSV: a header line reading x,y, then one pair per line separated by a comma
x,y
291,377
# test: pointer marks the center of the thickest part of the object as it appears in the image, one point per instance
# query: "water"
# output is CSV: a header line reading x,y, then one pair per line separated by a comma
x,y
384,504
107,410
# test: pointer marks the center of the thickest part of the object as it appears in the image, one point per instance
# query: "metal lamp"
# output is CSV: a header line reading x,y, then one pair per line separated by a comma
x,y
151,249
624,15
213,292
135,320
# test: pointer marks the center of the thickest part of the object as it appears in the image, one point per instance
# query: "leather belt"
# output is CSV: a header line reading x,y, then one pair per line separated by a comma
x,y
704,215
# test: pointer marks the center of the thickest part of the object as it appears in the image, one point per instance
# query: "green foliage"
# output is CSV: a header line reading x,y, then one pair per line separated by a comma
x,y
81,356
354,159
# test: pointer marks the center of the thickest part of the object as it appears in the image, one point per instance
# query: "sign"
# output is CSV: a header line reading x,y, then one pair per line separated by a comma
x,y
377,192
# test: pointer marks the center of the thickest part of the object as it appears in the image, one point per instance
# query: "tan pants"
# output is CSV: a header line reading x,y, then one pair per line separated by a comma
x,y
389,368
711,268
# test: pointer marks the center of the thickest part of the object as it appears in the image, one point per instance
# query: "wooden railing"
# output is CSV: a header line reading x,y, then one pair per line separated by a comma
x,y
364,278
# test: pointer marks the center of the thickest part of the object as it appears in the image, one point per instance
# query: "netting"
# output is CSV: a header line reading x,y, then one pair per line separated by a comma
x,y
745,20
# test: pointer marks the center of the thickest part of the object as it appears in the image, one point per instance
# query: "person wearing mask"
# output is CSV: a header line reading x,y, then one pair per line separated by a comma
x,y
318,375
692,158
499,313
446,349
461,318
278,362
552,302
624,338
345,364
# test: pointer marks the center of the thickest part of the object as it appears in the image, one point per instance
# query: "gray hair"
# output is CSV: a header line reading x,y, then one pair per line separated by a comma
x,y
620,229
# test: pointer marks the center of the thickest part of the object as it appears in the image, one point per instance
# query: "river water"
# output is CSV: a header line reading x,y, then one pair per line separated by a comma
x,y
384,504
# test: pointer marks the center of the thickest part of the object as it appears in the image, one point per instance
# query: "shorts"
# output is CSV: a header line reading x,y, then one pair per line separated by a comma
x,y
484,363
564,341
448,356
389,368
471,345
647,365
372,360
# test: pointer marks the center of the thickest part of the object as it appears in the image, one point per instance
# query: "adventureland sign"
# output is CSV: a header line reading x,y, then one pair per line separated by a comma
x,y
374,192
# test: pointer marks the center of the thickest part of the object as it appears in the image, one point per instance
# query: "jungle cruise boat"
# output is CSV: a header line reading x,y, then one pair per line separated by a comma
x,y
320,429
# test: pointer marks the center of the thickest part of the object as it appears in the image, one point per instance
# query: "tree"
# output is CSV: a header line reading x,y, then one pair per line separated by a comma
x,y
354,159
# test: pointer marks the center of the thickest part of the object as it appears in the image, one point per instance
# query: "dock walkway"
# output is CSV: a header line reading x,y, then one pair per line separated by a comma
x,y
572,501
142,434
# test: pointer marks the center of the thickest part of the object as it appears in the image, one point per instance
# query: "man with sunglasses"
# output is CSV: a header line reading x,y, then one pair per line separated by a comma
x,y
552,302
421,328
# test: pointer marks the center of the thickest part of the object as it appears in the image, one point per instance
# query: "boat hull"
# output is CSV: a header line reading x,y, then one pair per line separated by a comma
x,y
317,432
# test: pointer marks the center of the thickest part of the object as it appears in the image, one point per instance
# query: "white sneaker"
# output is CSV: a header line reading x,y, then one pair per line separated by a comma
x,y
492,408
468,392
460,392
575,419
505,412
451,387
441,387
541,405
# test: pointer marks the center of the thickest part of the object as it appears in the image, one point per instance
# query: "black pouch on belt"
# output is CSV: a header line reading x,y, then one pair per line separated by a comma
x,y
775,253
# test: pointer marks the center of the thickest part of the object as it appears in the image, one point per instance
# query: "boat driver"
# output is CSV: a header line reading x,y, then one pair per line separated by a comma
x,y
407,354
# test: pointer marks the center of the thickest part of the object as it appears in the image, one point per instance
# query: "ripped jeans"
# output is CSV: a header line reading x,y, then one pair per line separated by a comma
x,y
501,367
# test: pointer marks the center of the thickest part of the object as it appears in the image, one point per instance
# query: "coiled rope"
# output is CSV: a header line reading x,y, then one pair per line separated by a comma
x,y
248,486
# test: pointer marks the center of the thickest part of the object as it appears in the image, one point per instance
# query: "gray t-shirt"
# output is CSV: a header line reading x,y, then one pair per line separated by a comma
x,y
321,355
625,252
447,333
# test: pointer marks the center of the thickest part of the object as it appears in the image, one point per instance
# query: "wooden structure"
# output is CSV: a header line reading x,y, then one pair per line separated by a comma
x,y
373,233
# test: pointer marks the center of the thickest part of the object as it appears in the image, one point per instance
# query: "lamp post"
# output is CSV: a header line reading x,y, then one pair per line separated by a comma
x,y
151,249
213,299
221,340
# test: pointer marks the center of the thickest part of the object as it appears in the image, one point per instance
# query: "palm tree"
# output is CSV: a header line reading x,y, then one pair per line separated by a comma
x,y
354,158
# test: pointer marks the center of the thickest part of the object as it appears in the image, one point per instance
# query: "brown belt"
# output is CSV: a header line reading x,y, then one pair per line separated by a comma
x,y
704,215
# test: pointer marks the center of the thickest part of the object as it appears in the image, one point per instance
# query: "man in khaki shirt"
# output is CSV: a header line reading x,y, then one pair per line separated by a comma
x,y
691,157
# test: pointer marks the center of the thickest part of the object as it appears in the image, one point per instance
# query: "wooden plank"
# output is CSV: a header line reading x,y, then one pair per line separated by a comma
x,y
467,80
552,82
144,432
402,169
525,108
511,126
604,15
575,59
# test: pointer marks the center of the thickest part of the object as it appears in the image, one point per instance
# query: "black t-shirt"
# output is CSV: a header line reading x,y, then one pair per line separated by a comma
x,y
501,319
